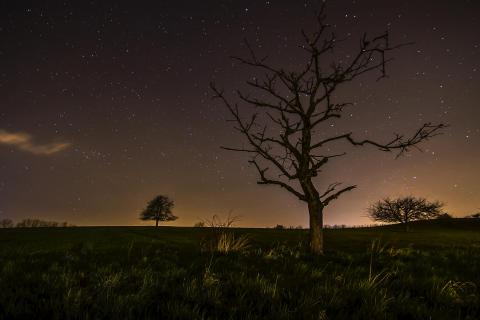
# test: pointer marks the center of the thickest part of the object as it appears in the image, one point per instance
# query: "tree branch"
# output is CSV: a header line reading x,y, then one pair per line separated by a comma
x,y
265,180
300,101
335,195
425,132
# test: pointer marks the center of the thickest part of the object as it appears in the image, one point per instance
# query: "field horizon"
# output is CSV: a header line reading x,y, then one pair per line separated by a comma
x,y
183,272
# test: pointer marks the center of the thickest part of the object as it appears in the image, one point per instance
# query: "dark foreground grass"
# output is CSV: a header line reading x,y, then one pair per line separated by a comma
x,y
432,272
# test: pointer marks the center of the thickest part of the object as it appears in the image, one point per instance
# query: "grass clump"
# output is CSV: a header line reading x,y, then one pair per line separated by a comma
x,y
221,238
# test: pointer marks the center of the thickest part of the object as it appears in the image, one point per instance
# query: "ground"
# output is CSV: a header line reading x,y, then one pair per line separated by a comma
x,y
431,272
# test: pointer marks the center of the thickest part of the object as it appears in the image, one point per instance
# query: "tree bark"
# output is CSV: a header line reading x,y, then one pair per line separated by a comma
x,y
405,220
315,211
156,223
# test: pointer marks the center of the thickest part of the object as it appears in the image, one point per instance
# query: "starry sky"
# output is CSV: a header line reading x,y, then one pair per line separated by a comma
x,y
105,104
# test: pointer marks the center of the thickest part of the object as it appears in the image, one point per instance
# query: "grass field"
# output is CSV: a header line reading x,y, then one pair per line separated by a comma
x,y
431,272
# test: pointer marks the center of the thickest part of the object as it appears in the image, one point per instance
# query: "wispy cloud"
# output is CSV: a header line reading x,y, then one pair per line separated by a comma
x,y
24,141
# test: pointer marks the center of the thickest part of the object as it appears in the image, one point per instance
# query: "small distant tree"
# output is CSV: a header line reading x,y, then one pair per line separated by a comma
x,y
474,216
404,210
279,227
444,216
6,223
199,224
158,209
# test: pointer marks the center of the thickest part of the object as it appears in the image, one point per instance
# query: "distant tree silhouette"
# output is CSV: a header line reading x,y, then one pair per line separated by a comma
x,y
38,223
6,223
288,130
404,210
445,215
158,209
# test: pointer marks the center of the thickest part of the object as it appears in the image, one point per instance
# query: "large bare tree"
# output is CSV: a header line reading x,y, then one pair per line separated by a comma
x,y
294,108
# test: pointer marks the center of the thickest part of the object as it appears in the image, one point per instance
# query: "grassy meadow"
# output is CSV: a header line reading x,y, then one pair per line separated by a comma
x,y
431,272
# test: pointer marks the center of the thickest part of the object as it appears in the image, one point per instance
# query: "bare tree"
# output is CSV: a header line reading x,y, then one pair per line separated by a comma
x,y
404,210
293,106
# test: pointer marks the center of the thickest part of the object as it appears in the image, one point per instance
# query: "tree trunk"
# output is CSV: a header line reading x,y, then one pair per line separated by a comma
x,y
315,211
156,222
405,219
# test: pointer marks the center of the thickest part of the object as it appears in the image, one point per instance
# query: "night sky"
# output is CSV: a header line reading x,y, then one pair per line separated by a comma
x,y
105,105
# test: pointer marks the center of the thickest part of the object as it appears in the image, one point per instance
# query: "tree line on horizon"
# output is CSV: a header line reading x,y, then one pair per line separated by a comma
x,y
402,210
33,223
